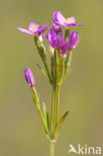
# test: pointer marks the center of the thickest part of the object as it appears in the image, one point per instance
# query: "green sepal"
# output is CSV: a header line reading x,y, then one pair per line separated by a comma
x,y
58,126
46,117
68,61
61,68
56,59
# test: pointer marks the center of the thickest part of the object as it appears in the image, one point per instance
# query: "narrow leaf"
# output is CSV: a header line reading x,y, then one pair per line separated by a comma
x,y
58,126
46,117
43,72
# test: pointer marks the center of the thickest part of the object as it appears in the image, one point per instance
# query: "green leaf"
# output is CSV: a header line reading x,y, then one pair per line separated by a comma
x,y
58,126
46,117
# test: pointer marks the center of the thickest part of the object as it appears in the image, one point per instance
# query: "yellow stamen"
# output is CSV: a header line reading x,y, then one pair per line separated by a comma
x,y
68,20
33,27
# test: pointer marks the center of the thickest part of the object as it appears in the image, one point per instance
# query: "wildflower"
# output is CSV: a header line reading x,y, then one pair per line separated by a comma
x,y
34,29
54,39
29,77
60,20
73,40
64,47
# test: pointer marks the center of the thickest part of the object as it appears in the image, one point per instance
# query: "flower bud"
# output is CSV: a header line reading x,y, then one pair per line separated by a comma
x,y
73,40
54,39
29,77
64,47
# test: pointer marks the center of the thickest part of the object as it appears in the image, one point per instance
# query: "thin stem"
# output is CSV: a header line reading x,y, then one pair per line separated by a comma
x,y
53,108
58,103
51,149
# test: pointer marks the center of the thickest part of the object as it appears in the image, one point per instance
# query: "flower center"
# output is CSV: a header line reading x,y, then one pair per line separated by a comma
x,y
68,20
33,27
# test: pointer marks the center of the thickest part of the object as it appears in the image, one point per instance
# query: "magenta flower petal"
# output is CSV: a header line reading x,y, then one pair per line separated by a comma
x,y
73,40
58,18
29,77
71,19
73,25
25,31
42,29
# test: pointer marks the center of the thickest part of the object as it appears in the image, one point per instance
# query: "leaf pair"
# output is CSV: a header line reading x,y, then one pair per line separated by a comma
x,y
47,122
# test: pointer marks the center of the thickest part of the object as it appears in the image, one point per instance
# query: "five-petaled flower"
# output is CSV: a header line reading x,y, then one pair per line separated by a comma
x,y
29,77
34,29
73,40
60,20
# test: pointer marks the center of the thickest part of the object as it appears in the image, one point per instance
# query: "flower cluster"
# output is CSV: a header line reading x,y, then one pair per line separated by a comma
x,y
61,46
60,43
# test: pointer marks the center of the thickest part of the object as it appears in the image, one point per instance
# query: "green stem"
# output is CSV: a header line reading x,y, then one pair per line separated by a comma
x,y
58,103
51,149
53,108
